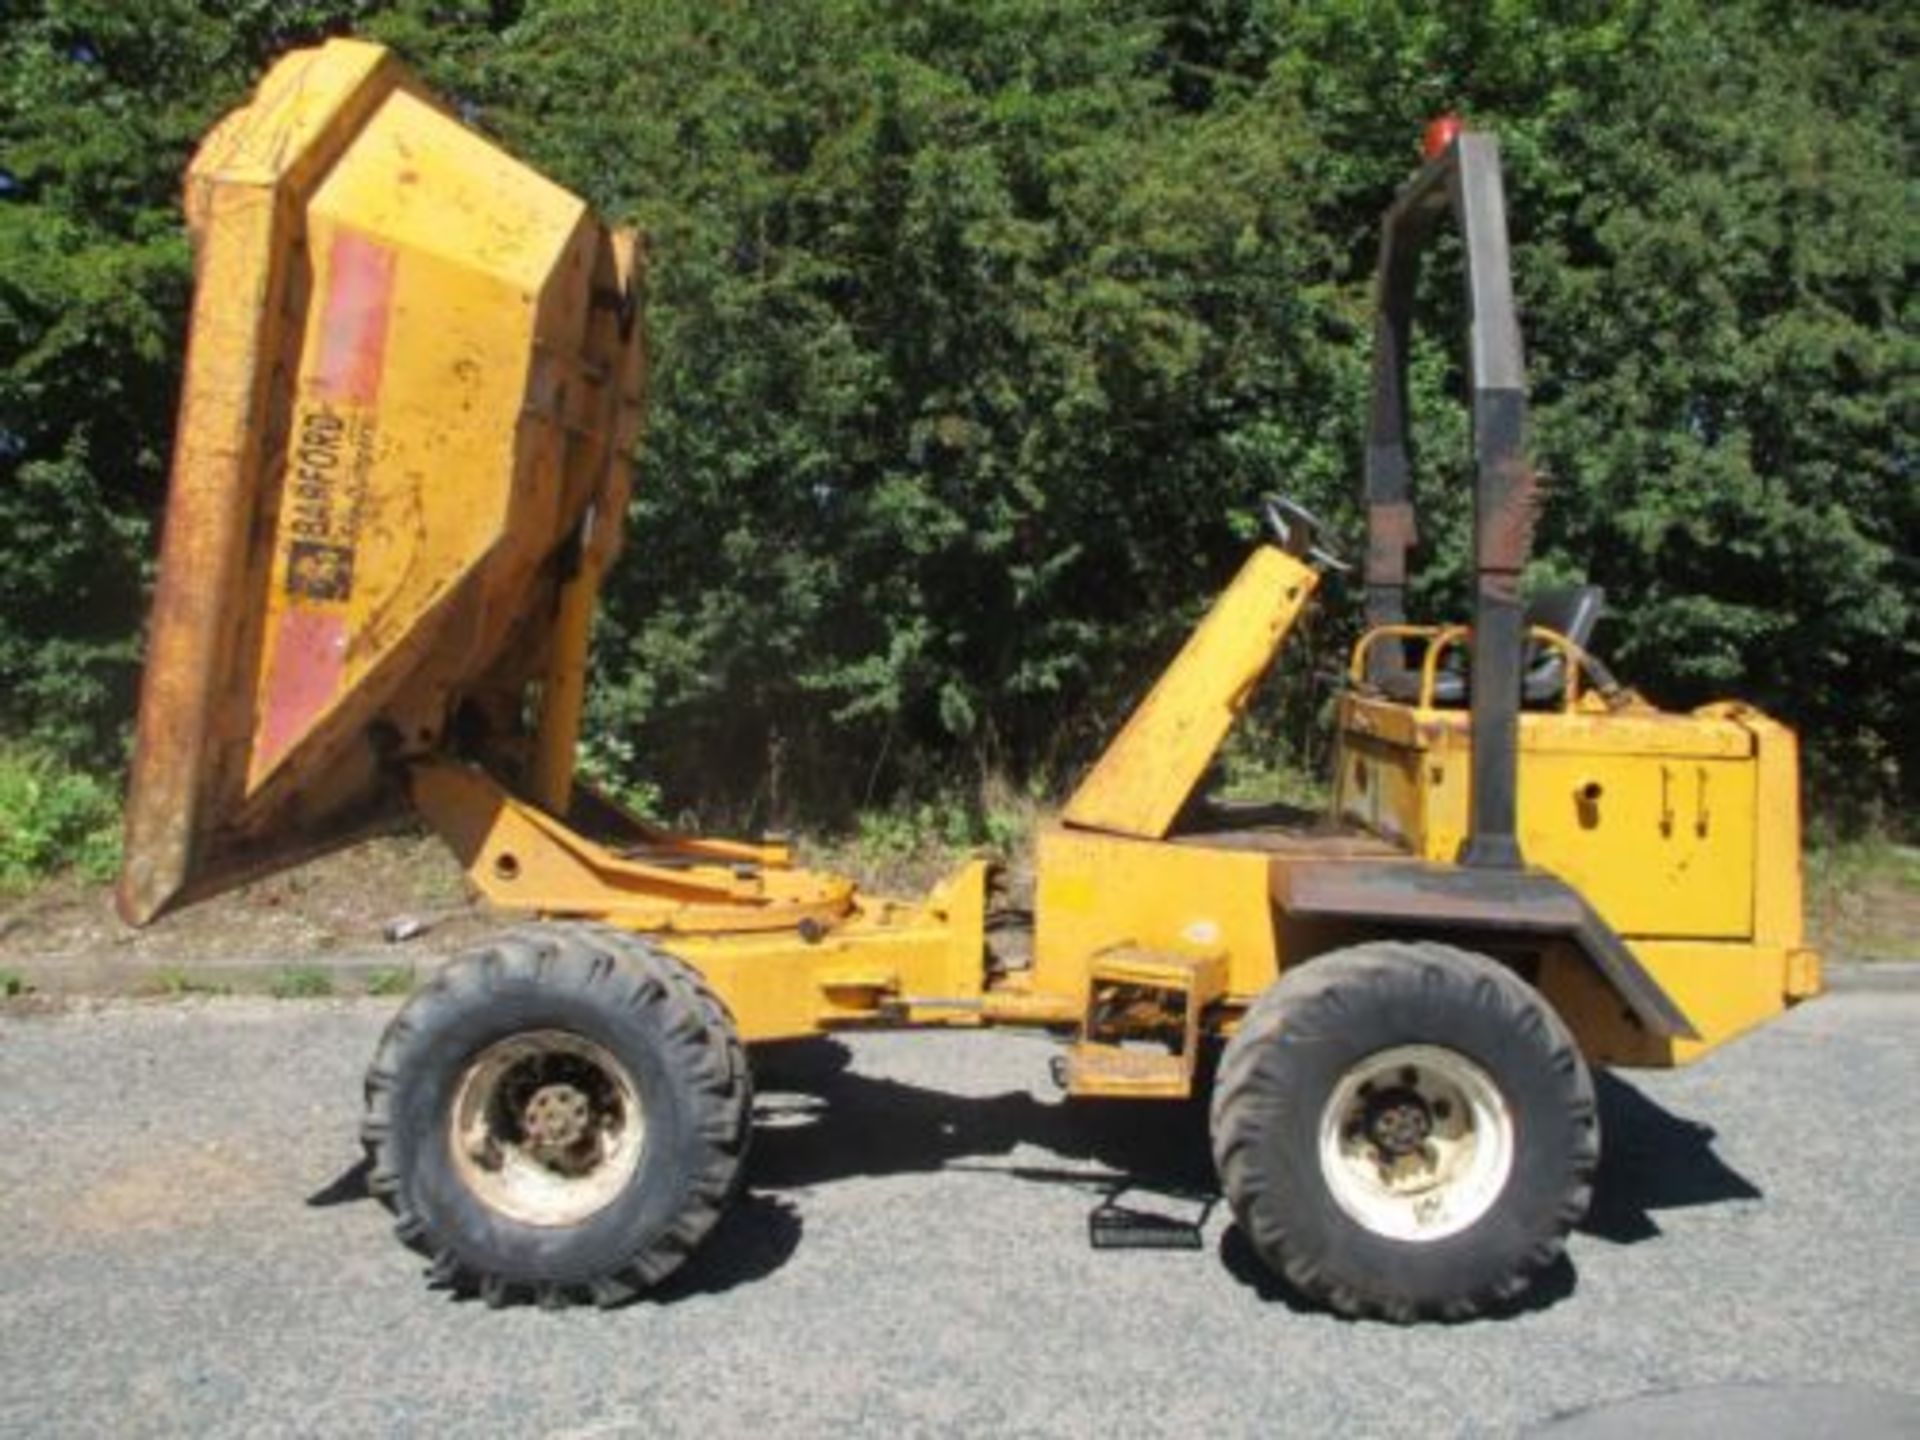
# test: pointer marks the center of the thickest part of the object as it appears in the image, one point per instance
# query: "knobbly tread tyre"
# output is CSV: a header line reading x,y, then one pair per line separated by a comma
x,y
1279,1069
663,1022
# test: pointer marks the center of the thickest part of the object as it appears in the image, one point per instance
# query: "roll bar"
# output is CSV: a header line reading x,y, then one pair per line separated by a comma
x,y
1463,181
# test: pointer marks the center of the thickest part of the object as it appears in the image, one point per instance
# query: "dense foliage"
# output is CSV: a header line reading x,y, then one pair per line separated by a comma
x,y
980,324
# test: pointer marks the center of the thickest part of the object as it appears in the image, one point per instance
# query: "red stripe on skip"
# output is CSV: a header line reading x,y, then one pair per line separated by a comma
x,y
353,322
308,663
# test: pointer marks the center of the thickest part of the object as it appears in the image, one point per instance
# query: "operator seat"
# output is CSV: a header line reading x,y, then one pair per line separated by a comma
x,y
1569,610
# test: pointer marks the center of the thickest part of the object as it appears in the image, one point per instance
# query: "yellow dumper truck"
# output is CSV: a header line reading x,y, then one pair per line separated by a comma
x,y
415,384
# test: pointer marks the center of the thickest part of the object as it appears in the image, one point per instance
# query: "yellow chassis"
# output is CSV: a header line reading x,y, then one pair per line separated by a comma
x,y
1655,818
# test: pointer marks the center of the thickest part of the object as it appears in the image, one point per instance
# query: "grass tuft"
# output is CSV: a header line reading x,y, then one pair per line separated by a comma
x,y
174,982
1863,899
301,982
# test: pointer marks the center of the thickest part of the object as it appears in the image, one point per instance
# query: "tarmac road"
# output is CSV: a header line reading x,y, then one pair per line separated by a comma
x,y
186,1248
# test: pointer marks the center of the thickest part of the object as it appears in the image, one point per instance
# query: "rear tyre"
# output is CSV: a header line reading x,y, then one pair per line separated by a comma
x,y
559,1116
1405,1130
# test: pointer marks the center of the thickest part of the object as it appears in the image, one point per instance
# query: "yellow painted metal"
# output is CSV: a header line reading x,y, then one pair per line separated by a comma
x,y
1098,894
1138,786
887,962
1723,988
521,858
245,280
1806,974
790,951
413,374
1652,817
1200,973
556,741
1118,1072
1162,984
1681,830
453,338
1777,896
1637,730
563,693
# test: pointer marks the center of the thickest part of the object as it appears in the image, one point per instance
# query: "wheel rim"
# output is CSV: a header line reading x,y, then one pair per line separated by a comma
x,y
546,1127
1416,1143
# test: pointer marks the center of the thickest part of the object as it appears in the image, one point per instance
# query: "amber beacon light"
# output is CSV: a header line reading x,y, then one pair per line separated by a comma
x,y
1441,132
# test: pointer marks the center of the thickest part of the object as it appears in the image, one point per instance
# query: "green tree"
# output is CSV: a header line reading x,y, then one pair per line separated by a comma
x,y
1712,206
100,106
980,327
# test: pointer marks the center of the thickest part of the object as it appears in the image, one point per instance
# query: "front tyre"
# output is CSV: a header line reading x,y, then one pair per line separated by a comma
x,y
560,1115
1405,1129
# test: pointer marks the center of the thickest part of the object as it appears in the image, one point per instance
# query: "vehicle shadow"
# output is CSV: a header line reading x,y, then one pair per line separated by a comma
x,y
754,1237
818,1122
1652,1160
1145,1167
1239,1259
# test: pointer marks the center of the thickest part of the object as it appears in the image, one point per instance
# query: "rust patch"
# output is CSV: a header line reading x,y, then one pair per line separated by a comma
x,y
1507,527
1414,891
1391,533
207,511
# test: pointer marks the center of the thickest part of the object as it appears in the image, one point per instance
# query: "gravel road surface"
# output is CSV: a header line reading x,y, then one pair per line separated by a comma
x,y
187,1248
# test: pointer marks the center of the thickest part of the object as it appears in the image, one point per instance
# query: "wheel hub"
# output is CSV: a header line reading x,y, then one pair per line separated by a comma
x,y
1398,1121
555,1118
546,1127
1416,1142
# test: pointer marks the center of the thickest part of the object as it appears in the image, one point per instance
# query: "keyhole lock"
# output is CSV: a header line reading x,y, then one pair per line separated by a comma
x,y
1586,803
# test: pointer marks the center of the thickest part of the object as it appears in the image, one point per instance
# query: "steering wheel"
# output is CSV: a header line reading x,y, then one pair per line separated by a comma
x,y
1298,531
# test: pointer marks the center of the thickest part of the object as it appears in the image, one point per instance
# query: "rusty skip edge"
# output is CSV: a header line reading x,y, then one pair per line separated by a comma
x,y
210,507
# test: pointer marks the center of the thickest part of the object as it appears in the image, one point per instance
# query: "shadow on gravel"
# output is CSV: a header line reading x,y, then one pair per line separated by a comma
x,y
755,1236
1152,1186
1237,1256
815,1122
348,1186
1651,1160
